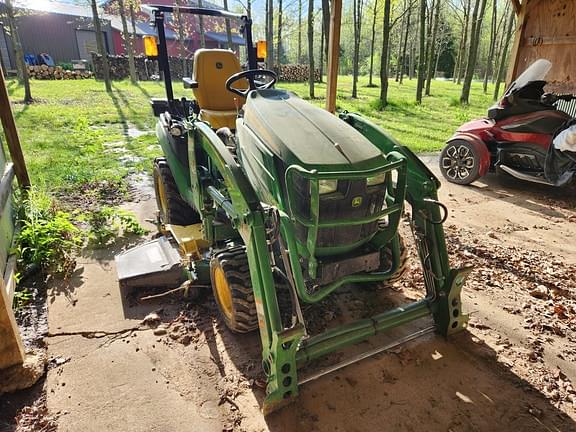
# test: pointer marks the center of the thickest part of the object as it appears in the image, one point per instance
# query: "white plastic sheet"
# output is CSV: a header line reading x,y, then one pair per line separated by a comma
x,y
566,140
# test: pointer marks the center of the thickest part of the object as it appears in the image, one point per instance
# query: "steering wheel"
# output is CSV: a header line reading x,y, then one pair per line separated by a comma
x,y
251,75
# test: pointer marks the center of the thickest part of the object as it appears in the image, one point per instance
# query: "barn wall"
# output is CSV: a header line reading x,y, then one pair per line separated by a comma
x,y
55,34
546,30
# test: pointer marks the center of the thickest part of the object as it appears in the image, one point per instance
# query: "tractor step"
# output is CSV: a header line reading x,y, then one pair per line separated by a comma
x,y
156,263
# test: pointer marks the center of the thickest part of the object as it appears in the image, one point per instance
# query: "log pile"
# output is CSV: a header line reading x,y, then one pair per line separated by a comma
x,y
295,73
145,69
45,72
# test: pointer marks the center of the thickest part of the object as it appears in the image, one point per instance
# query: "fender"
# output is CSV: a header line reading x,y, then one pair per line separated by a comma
x,y
479,146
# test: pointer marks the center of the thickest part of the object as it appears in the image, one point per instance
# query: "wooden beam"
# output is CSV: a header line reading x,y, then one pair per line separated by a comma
x,y
333,55
516,5
12,139
11,349
514,53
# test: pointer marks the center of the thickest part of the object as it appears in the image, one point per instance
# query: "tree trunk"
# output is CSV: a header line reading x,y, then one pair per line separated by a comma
x,y
430,73
429,24
502,66
228,28
311,48
477,17
321,66
127,43
133,21
299,56
181,35
385,57
490,60
279,48
249,8
357,15
23,76
201,27
405,44
270,32
372,41
422,53
326,23
462,61
101,46
411,62
399,59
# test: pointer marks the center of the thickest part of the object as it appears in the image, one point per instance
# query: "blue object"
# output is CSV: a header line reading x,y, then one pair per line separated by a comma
x,y
30,60
46,59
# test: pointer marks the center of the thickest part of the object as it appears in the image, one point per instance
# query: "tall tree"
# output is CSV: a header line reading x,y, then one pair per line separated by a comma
x,y
502,66
384,59
311,48
23,76
270,32
477,18
101,46
201,27
422,53
326,23
432,50
128,46
228,27
279,47
405,43
358,6
400,38
460,61
372,42
492,47
321,65
299,55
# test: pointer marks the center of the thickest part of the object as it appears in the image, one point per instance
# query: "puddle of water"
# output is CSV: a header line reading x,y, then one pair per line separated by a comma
x,y
133,132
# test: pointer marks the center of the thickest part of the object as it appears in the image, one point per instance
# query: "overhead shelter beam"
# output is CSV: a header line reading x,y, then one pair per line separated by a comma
x,y
333,55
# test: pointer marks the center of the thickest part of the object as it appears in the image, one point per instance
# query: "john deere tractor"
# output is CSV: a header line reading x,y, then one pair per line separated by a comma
x,y
264,196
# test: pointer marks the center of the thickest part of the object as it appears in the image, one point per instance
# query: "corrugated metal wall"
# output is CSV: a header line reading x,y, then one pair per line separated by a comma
x,y
4,50
56,35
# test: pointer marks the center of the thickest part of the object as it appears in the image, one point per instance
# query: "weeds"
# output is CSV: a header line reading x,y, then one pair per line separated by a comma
x,y
22,298
47,237
107,223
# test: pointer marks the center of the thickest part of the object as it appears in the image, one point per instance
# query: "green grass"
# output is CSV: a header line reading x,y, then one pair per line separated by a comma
x,y
66,134
423,128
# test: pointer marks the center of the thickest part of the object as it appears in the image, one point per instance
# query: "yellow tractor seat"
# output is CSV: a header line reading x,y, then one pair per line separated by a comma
x,y
212,68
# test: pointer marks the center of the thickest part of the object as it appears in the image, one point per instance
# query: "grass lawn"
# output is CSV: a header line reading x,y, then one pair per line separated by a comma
x,y
76,135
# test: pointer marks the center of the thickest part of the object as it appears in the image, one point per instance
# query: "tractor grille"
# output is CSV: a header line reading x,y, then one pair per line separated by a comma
x,y
353,199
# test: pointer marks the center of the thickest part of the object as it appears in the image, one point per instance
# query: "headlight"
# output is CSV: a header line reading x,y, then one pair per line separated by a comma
x,y
376,180
327,186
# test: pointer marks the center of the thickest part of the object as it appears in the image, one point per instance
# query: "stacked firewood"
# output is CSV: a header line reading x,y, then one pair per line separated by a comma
x,y
45,72
295,72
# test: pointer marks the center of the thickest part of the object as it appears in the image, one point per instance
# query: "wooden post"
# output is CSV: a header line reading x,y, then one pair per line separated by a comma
x,y
12,139
11,349
333,55
516,47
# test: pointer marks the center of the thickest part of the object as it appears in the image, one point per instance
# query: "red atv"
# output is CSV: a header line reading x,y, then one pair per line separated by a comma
x,y
516,137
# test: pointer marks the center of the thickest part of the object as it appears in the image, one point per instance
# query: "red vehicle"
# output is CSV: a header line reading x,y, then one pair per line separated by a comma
x,y
515,137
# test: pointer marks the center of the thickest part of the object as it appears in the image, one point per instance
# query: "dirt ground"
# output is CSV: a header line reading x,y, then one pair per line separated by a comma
x,y
512,369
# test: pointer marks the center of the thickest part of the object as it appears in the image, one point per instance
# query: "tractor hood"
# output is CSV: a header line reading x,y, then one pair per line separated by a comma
x,y
300,133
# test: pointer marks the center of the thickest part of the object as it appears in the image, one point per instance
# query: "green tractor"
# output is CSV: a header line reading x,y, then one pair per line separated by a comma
x,y
262,193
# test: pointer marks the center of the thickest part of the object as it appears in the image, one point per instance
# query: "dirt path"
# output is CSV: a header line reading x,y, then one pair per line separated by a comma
x,y
502,374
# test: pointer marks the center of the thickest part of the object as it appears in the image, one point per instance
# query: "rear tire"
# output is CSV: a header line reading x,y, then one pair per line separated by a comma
x,y
172,207
232,288
459,162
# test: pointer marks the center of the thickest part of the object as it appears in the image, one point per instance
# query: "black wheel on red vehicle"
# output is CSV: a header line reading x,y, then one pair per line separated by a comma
x,y
460,162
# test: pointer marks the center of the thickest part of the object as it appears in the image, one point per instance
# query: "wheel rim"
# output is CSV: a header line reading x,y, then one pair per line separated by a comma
x,y
223,292
458,162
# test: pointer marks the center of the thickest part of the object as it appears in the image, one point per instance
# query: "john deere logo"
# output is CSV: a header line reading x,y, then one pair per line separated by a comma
x,y
357,201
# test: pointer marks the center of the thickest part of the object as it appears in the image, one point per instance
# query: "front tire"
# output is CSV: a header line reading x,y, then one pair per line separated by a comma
x,y
460,162
232,288
172,207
